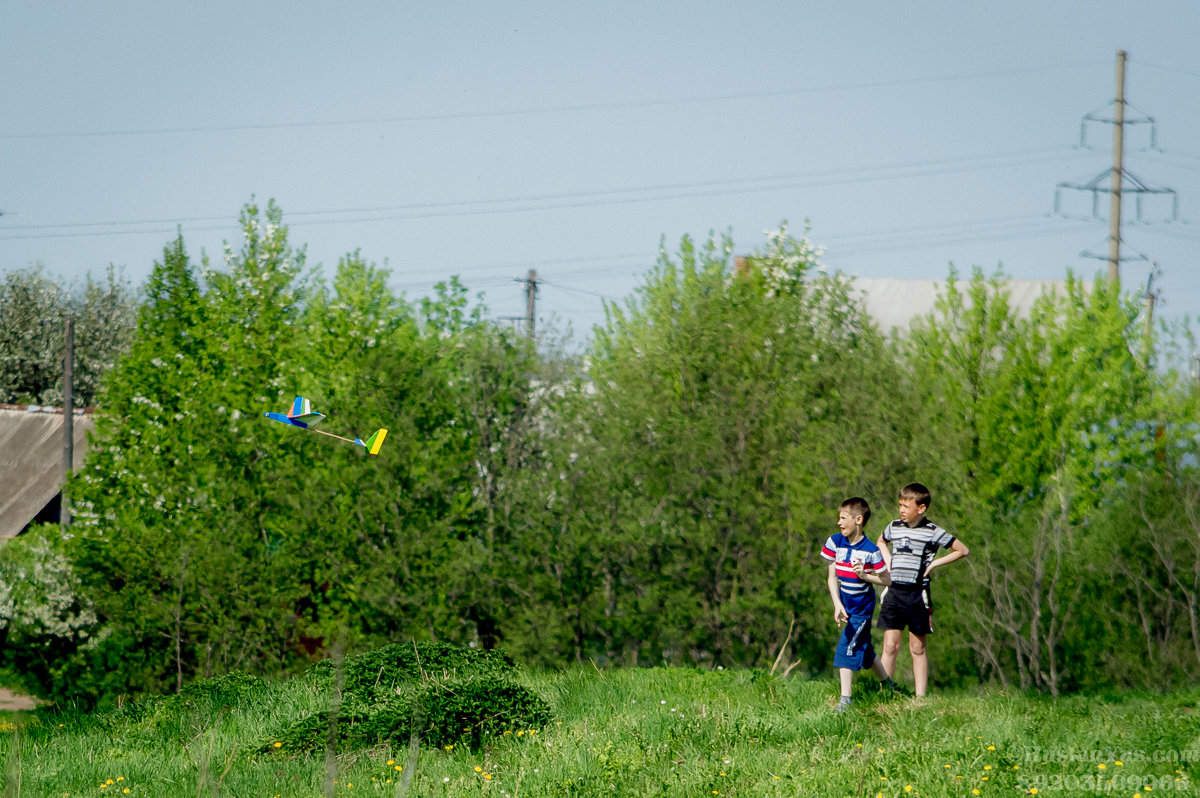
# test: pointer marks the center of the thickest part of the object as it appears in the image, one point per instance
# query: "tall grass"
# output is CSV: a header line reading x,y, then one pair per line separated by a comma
x,y
637,732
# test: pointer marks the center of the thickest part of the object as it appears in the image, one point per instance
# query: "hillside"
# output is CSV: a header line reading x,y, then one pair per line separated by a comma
x,y
621,732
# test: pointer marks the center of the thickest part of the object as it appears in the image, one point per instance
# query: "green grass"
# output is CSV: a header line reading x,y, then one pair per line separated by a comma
x,y
637,733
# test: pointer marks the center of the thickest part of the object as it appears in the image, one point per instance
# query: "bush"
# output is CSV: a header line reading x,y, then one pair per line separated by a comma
x,y
446,695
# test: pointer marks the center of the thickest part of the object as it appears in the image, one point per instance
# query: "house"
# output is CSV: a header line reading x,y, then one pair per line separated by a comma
x,y
895,303
31,463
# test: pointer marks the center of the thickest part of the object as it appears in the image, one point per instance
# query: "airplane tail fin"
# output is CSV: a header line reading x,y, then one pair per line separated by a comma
x,y
375,442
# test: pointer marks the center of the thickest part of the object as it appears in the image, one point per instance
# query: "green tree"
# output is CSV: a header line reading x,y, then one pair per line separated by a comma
x,y
1040,419
730,415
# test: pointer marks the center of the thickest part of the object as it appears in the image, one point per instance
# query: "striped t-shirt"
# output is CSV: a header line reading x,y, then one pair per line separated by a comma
x,y
913,548
858,597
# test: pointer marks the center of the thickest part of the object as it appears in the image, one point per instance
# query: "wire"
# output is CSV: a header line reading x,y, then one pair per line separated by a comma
x,y
577,290
658,193
547,109
1165,69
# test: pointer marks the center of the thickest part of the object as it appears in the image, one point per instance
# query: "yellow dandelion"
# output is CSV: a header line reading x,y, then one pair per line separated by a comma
x,y
716,793
722,773
883,778
125,790
987,767
1102,766
478,769
1016,767
908,788
975,791
947,767
120,778
520,733
991,748
1033,790
278,745
391,761
448,747
399,767
487,776
879,750
859,745
110,781
985,778
1119,763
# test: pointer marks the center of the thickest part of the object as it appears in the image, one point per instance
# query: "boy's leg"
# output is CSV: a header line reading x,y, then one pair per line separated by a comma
x,y
920,660
880,671
847,676
891,650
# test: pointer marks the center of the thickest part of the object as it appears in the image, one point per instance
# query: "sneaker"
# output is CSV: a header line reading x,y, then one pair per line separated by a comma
x,y
841,707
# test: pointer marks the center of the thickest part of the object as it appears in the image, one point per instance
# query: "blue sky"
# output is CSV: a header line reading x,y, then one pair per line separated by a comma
x,y
484,139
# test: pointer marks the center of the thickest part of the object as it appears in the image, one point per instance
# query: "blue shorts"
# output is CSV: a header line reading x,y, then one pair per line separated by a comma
x,y
854,649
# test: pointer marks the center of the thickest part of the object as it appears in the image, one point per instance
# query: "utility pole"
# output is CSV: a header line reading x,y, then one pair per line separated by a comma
x,y
531,283
68,417
1114,216
1117,181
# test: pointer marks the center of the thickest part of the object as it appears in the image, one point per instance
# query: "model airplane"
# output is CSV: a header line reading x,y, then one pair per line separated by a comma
x,y
303,416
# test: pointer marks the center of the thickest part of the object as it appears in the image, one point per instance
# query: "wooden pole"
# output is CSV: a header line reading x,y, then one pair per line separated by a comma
x,y
68,418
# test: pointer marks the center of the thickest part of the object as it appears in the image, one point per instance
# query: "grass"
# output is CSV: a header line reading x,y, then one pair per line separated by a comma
x,y
637,733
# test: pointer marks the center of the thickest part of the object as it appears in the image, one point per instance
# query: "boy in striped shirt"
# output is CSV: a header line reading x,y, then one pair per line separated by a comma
x,y
855,565
909,545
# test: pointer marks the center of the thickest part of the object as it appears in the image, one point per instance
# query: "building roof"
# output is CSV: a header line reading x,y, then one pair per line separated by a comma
x,y
31,460
894,303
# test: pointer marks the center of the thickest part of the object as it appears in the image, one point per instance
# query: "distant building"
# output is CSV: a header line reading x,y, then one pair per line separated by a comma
x,y
31,464
894,303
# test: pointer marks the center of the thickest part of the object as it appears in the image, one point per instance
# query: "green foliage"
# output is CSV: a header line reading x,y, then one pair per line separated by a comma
x,y
661,499
725,417
44,615
442,694
379,671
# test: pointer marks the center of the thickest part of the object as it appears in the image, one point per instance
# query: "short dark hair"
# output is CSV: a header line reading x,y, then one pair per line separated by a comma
x,y
917,492
857,506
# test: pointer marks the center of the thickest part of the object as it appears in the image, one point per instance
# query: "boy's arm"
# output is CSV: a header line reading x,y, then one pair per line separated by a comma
x,y
886,552
958,550
839,611
882,577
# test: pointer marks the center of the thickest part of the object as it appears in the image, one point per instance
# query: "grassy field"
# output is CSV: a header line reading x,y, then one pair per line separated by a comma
x,y
638,732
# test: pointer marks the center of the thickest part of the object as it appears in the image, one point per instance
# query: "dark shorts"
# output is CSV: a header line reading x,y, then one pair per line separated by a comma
x,y
906,607
854,649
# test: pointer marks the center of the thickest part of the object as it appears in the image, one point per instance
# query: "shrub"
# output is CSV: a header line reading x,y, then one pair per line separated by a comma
x,y
463,708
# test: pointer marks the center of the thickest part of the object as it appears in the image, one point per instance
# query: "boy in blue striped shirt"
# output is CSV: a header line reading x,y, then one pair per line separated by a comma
x,y
855,565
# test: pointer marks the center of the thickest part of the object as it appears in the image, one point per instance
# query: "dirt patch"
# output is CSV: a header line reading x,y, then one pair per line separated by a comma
x,y
12,702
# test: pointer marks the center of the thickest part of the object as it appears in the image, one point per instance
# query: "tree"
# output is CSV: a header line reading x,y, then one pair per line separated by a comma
x,y
33,313
729,415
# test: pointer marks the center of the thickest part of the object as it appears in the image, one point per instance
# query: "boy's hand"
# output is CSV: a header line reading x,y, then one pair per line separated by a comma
x,y
858,569
840,616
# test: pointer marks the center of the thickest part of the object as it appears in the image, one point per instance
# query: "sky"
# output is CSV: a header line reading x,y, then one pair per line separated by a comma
x,y
485,139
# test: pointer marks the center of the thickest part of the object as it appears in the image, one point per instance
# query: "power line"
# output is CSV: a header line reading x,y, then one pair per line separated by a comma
x,y
549,109
566,200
